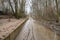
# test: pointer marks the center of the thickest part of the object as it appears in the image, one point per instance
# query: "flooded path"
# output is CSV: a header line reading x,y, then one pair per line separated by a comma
x,y
32,30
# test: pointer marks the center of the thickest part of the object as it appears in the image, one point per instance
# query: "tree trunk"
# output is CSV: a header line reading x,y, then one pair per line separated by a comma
x,y
16,6
57,10
56,5
11,6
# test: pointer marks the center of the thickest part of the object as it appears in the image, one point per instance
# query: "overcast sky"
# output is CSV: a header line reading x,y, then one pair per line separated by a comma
x,y
28,5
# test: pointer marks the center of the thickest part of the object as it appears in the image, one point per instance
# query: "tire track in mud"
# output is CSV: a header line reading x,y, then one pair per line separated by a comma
x,y
29,34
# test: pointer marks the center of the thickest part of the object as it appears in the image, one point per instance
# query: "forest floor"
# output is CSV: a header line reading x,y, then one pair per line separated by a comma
x,y
6,27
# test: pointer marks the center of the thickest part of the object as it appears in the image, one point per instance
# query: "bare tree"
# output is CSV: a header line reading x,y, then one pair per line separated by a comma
x,y
16,6
56,5
57,10
11,6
